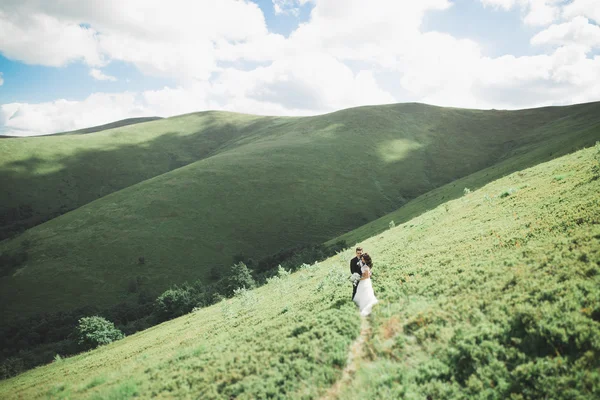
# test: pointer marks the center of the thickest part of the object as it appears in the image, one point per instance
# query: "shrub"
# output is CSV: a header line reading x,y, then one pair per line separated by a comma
x,y
174,303
96,331
12,366
507,193
247,297
239,276
596,166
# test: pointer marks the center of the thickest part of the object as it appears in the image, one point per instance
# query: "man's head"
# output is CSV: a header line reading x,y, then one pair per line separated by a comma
x,y
359,251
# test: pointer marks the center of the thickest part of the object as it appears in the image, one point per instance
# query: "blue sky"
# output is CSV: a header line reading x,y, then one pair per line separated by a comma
x,y
287,57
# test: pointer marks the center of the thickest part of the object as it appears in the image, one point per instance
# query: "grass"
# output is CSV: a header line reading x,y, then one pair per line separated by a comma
x,y
243,184
556,146
112,125
495,297
51,175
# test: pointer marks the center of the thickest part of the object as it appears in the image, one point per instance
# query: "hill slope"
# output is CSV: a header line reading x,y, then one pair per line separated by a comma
x,y
111,125
493,295
515,160
286,182
43,177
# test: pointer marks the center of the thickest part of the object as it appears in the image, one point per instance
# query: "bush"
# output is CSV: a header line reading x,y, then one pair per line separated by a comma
x,y
174,303
239,276
96,331
12,366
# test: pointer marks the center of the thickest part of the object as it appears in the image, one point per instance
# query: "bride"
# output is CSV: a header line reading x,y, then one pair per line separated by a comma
x,y
365,297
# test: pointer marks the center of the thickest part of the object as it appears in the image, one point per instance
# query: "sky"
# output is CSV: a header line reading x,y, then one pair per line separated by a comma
x,y
71,64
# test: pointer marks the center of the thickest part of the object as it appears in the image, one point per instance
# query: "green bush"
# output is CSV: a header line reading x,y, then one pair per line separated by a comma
x,y
239,276
10,367
96,331
174,303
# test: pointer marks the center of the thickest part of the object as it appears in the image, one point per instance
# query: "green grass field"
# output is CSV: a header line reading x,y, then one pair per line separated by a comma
x,y
245,184
493,295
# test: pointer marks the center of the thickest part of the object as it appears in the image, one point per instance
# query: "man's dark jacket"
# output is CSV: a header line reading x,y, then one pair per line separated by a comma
x,y
355,268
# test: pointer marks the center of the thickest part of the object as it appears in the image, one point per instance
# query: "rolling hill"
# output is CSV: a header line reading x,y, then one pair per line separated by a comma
x,y
250,185
111,125
43,177
491,295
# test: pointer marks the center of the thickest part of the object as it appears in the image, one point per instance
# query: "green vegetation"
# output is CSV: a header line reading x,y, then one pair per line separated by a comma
x,y
35,340
240,184
51,175
558,145
489,297
96,331
112,125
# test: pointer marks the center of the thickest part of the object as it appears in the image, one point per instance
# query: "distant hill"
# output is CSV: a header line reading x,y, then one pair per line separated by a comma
x,y
190,193
47,176
112,125
492,295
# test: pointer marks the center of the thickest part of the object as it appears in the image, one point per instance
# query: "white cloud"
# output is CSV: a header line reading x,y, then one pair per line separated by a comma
x,y
542,12
585,8
100,76
1,79
303,84
538,12
46,40
23,119
288,6
504,4
175,38
577,31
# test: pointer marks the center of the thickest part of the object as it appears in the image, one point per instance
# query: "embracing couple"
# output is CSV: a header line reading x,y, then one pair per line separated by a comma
x,y
362,292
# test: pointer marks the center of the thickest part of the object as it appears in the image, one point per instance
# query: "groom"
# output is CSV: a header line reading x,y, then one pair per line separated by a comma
x,y
355,267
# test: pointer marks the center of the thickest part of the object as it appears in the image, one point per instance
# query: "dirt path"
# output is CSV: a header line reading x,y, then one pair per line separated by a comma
x,y
356,353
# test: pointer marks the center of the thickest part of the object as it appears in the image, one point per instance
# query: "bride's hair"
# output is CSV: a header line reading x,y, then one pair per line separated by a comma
x,y
367,259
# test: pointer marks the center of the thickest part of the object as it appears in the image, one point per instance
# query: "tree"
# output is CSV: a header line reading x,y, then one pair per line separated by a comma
x,y
96,331
174,303
239,276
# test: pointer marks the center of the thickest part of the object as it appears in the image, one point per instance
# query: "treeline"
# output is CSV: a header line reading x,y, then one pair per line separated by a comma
x,y
40,339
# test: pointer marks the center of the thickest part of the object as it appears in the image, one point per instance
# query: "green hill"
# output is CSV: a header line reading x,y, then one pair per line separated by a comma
x,y
492,295
43,177
112,125
275,183
98,128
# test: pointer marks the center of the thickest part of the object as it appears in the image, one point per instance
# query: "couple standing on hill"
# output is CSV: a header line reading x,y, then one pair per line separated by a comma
x,y
362,293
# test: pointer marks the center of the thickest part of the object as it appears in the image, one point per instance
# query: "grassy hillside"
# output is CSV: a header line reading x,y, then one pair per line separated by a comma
x,y
283,182
43,177
492,295
572,138
98,128
112,125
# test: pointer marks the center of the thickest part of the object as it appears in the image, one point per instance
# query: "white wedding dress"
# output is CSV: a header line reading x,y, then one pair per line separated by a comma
x,y
365,297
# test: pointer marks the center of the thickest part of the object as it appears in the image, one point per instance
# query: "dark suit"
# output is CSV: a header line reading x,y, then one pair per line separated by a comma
x,y
355,268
